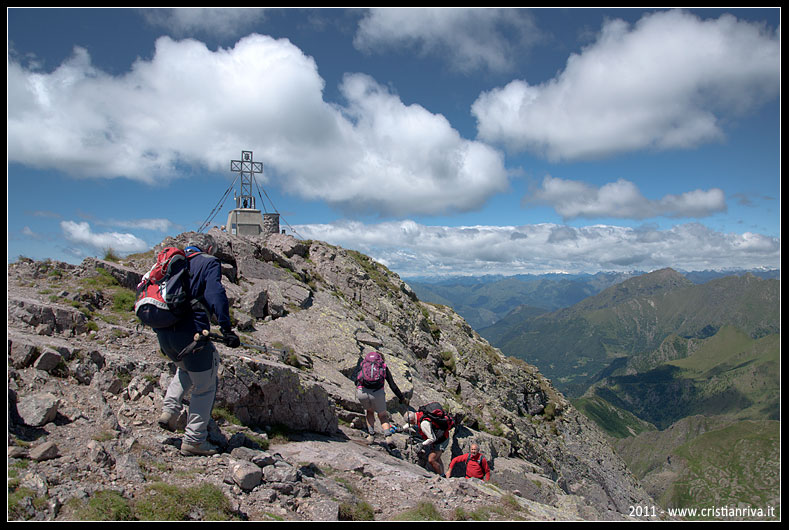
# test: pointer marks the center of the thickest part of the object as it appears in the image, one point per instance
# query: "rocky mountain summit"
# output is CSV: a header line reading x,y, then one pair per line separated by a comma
x,y
86,382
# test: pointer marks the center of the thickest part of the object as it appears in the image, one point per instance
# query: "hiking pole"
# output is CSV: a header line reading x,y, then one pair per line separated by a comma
x,y
219,338
201,338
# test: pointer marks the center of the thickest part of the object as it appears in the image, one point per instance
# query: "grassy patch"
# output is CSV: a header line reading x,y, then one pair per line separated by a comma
x,y
123,300
219,413
732,466
614,421
159,502
424,511
20,502
377,272
356,511
104,505
163,502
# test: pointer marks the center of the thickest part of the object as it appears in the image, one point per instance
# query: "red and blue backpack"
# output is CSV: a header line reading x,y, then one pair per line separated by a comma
x,y
163,296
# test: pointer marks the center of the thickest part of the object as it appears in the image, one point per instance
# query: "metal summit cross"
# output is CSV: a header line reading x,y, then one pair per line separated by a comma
x,y
245,219
247,168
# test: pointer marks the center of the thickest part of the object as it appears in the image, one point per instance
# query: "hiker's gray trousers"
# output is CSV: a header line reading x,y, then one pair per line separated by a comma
x,y
203,386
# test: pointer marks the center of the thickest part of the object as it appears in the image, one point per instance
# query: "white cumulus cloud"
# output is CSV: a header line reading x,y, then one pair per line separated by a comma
x,y
664,83
622,199
82,234
191,106
221,22
157,225
414,249
469,39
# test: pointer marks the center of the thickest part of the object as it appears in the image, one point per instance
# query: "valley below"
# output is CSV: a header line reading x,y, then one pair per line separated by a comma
x,y
680,371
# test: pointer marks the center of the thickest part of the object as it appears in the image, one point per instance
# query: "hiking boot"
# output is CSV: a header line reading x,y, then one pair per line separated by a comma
x,y
370,438
204,449
168,420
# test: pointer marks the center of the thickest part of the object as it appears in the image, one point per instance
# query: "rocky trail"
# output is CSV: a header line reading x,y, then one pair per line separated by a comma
x,y
85,387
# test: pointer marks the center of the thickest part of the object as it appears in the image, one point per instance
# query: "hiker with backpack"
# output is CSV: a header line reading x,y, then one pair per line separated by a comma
x,y
370,375
203,296
476,464
432,424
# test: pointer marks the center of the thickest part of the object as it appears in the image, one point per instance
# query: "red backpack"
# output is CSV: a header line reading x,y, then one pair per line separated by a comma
x,y
438,418
163,294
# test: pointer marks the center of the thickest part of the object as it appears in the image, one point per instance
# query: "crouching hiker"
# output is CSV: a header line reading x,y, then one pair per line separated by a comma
x,y
198,370
476,464
370,374
432,424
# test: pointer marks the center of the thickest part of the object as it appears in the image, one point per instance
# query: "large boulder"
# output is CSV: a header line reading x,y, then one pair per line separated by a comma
x,y
263,394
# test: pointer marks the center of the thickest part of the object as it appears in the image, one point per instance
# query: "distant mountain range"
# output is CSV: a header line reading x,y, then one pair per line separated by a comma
x,y
485,300
625,324
681,370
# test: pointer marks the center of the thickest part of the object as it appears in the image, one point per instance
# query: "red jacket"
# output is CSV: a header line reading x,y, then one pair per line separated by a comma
x,y
475,467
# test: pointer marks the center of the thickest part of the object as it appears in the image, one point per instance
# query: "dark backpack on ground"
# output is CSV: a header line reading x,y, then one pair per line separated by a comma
x,y
372,372
163,296
437,416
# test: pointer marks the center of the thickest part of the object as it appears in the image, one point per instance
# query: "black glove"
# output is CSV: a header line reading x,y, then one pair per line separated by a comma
x,y
230,339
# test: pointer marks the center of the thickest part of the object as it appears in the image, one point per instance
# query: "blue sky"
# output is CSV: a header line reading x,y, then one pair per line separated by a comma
x,y
439,142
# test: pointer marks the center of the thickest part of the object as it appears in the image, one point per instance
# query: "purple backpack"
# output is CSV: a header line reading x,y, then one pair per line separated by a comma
x,y
372,372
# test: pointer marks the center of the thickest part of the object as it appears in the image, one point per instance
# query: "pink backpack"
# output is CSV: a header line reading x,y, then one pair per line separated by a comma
x,y
373,371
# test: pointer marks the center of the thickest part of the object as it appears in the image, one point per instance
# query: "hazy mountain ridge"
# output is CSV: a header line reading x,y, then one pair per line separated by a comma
x,y
574,345
483,301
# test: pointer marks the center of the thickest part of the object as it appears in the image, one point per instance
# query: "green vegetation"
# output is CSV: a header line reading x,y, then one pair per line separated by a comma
x,y
222,414
159,502
699,362
424,511
718,410
104,505
279,434
356,511
613,421
102,279
122,299
574,346
147,256
434,330
732,466
111,255
164,502
18,500
730,373
377,272
508,509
